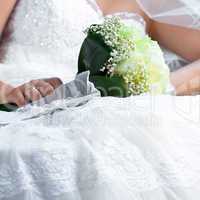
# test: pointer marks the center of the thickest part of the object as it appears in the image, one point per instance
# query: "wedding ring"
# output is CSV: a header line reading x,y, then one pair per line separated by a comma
x,y
34,88
31,87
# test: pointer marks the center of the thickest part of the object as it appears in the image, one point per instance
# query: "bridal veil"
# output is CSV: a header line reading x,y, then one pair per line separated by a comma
x,y
184,13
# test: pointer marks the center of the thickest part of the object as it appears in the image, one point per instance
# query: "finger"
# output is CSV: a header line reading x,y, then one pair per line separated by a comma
x,y
55,82
5,89
17,97
31,93
43,87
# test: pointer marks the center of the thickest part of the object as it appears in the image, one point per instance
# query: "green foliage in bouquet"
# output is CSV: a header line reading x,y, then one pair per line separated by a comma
x,y
122,60
8,107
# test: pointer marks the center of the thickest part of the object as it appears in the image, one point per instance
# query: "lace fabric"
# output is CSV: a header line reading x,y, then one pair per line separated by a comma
x,y
44,36
74,154
139,148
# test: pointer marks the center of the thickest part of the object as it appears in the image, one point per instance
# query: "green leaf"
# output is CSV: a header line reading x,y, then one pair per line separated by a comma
x,y
94,53
8,107
110,86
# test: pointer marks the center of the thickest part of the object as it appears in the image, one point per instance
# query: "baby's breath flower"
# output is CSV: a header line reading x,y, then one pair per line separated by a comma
x,y
134,56
137,80
114,37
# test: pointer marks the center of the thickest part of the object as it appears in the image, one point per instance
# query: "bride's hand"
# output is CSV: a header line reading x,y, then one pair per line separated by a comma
x,y
32,91
5,90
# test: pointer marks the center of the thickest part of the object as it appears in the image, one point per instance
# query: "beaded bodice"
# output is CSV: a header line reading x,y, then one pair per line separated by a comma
x,y
47,33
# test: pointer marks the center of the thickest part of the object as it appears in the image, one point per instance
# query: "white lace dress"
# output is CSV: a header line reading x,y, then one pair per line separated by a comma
x,y
137,148
43,39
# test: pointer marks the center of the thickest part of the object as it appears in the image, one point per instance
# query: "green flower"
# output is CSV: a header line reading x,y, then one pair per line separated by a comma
x,y
148,67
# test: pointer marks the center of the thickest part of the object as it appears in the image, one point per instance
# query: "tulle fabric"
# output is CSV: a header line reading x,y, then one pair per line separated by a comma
x,y
184,13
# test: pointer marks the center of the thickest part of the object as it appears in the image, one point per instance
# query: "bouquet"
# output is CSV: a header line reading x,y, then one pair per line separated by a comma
x,y
122,60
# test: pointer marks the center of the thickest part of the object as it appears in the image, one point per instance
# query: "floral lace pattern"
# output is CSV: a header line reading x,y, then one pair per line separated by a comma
x,y
44,38
74,154
106,149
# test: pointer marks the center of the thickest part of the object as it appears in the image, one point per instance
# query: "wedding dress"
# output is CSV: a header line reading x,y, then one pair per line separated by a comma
x,y
88,148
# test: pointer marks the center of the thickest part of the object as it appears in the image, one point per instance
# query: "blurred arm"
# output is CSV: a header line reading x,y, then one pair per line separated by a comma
x,y
6,7
185,42
187,79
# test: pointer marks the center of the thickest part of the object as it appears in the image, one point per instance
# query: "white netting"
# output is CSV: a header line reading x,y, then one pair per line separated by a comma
x,y
185,13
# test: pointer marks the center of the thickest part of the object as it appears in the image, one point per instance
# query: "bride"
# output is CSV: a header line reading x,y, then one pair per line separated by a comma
x,y
137,148
37,39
